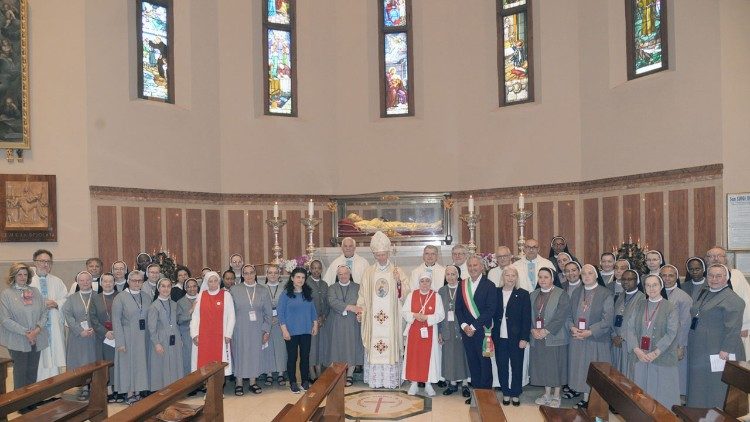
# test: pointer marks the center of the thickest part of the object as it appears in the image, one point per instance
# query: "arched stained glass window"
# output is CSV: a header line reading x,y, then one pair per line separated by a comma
x,y
396,64
515,60
155,53
646,23
279,58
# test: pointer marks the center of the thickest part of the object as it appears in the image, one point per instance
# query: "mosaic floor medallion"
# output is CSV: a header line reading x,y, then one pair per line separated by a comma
x,y
385,405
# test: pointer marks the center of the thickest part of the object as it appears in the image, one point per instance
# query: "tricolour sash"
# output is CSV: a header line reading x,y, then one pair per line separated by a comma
x,y
488,347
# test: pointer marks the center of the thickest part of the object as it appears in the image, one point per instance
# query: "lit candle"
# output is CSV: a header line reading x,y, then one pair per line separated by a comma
x,y
521,201
471,204
275,210
310,208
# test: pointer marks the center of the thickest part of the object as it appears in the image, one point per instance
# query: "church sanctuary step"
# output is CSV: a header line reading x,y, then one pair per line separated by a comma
x,y
609,387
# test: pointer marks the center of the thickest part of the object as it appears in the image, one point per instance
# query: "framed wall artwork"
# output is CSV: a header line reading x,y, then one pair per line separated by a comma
x,y
29,208
14,78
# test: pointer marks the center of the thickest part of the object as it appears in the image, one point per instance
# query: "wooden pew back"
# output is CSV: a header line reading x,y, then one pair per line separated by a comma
x,y
213,410
488,409
4,363
737,376
329,387
610,387
94,373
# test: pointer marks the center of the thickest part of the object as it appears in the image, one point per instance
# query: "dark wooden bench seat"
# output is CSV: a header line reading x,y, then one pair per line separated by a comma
x,y
737,377
329,387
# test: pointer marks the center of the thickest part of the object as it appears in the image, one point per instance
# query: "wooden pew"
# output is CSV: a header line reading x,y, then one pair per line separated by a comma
x,y
212,410
329,387
610,387
737,376
4,363
95,409
488,409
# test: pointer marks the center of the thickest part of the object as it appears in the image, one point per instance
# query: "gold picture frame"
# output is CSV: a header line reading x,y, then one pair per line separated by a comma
x,y
28,210
15,133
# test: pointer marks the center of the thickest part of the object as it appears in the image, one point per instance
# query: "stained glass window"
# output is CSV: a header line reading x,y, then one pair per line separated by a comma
x,y
155,67
279,54
396,70
647,36
515,63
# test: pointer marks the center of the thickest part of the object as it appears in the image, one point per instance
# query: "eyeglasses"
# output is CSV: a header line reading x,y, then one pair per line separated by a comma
x,y
716,256
43,261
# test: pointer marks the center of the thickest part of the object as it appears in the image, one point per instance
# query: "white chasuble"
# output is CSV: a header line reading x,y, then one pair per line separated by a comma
x,y
383,296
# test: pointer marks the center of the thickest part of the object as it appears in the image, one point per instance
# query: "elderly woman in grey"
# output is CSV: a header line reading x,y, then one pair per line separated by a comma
x,y
23,314
79,316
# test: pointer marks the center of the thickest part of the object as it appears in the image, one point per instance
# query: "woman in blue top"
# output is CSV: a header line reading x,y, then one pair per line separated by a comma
x,y
299,322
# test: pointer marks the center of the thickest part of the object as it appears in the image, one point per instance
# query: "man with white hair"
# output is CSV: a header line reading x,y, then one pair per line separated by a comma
x,y
429,266
504,257
718,255
383,289
357,264
529,265
459,253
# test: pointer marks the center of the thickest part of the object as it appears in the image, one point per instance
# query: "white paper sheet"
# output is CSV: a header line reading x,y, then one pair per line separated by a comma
x,y
717,363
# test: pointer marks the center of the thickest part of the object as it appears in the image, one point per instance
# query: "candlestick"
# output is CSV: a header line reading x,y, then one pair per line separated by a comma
x,y
471,220
471,204
521,202
275,210
521,216
310,208
276,224
310,223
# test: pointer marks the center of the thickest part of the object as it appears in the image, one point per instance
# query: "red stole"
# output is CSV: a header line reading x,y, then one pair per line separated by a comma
x,y
211,330
419,350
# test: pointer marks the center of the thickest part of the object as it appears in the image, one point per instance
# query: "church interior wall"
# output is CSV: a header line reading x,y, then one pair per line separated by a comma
x,y
586,123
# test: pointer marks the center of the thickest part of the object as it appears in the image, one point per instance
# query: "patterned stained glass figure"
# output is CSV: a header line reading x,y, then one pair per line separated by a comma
x,y
394,12
154,39
396,73
515,60
397,97
279,57
647,44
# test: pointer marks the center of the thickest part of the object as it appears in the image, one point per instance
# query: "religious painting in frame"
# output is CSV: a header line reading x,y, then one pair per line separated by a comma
x,y
155,32
646,35
514,52
279,58
396,59
29,208
14,75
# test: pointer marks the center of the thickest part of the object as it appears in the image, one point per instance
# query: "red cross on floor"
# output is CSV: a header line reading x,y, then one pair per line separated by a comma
x,y
379,401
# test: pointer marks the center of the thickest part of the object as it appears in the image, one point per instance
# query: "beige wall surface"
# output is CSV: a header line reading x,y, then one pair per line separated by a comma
x,y
587,122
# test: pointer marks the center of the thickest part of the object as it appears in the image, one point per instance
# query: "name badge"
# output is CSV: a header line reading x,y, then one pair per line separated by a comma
x,y
85,325
345,313
252,316
423,332
646,343
618,320
274,313
694,323
451,316
581,323
171,340
539,323
142,324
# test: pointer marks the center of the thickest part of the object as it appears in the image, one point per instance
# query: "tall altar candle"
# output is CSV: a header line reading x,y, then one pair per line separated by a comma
x,y
310,209
521,202
471,204
275,210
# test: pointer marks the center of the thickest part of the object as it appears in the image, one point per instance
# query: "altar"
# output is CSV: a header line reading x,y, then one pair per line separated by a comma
x,y
406,257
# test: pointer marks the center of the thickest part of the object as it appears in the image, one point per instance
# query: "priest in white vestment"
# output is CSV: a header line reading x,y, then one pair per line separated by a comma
x,y
383,289
528,266
52,288
357,264
504,257
429,265
460,254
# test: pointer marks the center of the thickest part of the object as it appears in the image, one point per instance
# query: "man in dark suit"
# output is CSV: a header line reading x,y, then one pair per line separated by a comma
x,y
475,307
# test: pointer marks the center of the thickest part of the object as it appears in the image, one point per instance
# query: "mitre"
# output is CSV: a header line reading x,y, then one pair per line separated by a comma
x,y
380,242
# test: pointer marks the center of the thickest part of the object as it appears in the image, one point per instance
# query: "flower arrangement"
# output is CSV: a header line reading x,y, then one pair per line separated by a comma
x,y
290,264
489,260
634,253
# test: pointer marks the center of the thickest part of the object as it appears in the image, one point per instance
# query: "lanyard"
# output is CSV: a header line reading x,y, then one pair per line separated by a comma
x,y
140,305
586,303
544,303
650,318
429,295
85,304
107,307
167,309
344,293
703,298
247,291
452,297
273,293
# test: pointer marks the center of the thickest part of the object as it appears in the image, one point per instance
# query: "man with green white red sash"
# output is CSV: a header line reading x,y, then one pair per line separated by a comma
x,y
475,306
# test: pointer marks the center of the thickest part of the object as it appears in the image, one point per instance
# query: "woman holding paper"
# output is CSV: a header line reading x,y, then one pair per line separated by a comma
x,y
651,333
714,334
78,313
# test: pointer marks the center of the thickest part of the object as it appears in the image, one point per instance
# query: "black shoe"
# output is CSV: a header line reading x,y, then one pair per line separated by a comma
x,y
506,401
468,401
450,390
305,385
465,391
293,386
421,385
581,405
516,401
442,384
